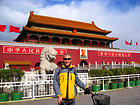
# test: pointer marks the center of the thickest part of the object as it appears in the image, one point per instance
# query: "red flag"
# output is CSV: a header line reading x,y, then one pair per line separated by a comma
x,y
2,28
127,43
14,29
136,43
130,43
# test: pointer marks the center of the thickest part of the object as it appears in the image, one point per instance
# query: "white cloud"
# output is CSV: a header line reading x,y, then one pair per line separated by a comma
x,y
124,25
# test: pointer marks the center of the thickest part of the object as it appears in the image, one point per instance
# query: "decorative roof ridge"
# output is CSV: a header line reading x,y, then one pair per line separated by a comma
x,y
32,19
31,13
100,28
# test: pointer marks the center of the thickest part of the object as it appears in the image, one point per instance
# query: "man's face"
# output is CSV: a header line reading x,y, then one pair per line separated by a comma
x,y
67,59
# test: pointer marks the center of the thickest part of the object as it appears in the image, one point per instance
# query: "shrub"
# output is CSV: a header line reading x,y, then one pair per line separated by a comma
x,y
137,70
128,71
96,73
10,75
15,75
106,72
113,72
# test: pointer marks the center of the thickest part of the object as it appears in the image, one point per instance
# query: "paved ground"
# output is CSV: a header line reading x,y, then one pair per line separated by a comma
x,y
118,97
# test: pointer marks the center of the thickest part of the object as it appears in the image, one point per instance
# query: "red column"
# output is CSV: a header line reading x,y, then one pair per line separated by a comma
x,y
60,40
29,67
90,43
50,39
98,44
105,44
70,41
111,45
39,39
22,68
27,37
83,42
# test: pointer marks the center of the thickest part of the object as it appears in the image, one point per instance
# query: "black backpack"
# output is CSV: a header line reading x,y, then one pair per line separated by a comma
x,y
100,99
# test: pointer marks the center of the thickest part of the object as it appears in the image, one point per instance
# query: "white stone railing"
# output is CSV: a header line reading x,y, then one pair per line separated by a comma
x,y
36,88
33,84
107,66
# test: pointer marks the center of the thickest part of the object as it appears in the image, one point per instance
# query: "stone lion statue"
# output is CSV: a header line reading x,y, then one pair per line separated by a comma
x,y
47,57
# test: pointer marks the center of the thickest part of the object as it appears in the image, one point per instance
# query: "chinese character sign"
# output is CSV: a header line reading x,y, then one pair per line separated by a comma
x,y
61,51
21,50
113,54
28,50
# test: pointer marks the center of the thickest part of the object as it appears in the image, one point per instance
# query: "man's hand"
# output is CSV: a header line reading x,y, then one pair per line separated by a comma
x,y
87,91
59,99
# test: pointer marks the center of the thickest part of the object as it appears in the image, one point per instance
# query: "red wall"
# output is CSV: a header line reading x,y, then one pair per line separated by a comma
x,y
92,57
18,57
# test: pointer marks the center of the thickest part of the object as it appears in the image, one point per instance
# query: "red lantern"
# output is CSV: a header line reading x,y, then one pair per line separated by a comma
x,y
74,31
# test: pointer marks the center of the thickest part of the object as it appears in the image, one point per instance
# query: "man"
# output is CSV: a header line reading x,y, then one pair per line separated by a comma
x,y
65,81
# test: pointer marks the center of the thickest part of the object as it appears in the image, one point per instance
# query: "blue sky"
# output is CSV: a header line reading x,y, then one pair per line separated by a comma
x,y
119,16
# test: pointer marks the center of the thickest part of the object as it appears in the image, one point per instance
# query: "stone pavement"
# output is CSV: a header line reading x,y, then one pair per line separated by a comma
x,y
118,97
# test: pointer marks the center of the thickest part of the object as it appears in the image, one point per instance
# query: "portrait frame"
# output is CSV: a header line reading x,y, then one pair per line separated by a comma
x,y
83,53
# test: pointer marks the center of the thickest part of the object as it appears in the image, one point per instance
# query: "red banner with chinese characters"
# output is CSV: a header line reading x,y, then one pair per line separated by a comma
x,y
113,54
28,50
61,51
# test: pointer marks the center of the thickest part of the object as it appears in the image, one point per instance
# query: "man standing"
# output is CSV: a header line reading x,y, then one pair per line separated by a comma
x,y
65,81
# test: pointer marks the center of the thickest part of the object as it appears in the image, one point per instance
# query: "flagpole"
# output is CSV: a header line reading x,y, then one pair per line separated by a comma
x,y
125,45
9,34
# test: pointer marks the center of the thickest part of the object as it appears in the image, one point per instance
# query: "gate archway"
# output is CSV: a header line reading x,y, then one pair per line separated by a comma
x,y
83,61
37,66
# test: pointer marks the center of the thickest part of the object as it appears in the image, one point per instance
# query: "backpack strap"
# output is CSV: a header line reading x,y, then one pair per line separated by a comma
x,y
59,69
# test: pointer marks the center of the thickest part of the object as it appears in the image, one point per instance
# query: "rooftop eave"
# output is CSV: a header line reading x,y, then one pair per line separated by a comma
x,y
21,35
69,33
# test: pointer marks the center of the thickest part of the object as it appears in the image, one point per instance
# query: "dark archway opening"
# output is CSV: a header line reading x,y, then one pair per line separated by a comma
x,y
65,41
83,61
45,39
37,66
